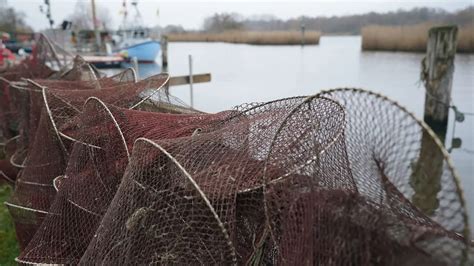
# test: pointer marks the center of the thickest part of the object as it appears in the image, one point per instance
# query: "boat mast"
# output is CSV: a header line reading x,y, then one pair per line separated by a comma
x,y
138,15
125,14
96,27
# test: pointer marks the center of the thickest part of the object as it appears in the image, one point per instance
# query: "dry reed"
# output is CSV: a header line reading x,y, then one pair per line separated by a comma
x,y
249,37
410,38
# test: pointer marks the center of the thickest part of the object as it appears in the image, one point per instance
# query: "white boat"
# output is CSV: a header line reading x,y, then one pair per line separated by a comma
x,y
137,43
134,40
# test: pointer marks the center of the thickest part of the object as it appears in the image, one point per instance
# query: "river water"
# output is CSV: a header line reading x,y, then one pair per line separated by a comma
x,y
247,73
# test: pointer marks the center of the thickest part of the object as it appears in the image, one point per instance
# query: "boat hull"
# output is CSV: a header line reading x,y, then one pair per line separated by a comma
x,y
144,52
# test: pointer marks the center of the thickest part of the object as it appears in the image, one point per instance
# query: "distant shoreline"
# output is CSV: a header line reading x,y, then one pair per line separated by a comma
x,y
410,38
250,37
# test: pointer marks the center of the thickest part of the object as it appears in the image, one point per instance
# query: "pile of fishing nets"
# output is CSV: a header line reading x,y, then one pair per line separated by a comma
x,y
115,171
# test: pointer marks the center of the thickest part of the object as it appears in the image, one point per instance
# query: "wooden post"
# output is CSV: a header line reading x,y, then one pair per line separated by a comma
x,y
191,92
135,66
302,33
437,74
164,53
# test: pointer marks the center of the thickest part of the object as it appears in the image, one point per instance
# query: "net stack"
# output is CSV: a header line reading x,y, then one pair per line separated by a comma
x,y
49,152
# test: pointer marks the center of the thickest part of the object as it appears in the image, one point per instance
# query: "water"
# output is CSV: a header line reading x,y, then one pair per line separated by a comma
x,y
245,73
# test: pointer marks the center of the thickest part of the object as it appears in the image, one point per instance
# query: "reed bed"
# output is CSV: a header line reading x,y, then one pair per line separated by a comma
x,y
410,38
249,37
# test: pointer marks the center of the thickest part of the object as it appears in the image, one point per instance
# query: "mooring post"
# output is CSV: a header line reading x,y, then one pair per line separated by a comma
x,y
437,74
191,80
164,53
135,65
302,33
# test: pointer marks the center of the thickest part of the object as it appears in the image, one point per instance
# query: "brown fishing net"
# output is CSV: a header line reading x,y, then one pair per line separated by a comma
x,y
45,59
48,153
97,164
304,180
27,102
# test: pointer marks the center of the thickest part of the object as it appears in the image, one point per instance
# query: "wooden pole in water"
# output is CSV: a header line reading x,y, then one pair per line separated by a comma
x,y
437,74
302,33
135,66
164,53
191,92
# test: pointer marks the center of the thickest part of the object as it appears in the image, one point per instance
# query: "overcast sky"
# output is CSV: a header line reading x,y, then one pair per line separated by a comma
x,y
190,14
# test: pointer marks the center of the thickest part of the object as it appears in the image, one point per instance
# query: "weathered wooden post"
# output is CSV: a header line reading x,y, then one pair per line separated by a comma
x,y
437,74
135,66
302,33
164,53
191,92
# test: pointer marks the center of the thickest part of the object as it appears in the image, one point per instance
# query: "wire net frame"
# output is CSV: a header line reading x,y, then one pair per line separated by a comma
x,y
34,189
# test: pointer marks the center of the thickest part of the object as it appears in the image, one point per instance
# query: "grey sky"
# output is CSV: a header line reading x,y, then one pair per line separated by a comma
x,y
191,14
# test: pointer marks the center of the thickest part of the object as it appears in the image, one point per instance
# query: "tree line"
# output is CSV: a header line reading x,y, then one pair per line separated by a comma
x,y
351,24
11,20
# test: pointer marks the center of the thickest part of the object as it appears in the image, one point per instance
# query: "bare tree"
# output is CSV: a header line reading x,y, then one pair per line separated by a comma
x,y
10,20
222,22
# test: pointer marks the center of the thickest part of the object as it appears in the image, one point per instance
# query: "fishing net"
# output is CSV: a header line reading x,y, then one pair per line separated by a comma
x,y
38,65
48,60
96,165
49,151
286,182
27,101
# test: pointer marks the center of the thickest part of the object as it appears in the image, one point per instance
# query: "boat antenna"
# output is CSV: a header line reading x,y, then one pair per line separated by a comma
x,y
124,13
138,16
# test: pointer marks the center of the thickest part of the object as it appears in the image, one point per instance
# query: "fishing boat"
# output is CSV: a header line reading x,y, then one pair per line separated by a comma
x,y
135,40
137,43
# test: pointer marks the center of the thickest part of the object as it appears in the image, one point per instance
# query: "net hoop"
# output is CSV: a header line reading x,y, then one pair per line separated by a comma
x,y
200,192
111,116
53,123
15,206
426,128
154,91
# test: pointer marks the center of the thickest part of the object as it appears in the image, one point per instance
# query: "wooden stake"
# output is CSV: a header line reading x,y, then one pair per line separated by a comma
x,y
191,92
437,74
164,53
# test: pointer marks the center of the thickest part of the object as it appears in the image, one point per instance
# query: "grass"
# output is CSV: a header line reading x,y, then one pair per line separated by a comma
x,y
249,37
410,38
8,244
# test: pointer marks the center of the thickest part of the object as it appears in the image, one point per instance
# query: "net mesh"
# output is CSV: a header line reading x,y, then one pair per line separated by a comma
x,y
345,177
49,152
38,65
97,164
27,102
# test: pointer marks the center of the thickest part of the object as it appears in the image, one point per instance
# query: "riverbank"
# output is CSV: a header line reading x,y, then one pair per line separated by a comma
x,y
410,38
250,37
